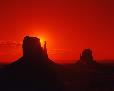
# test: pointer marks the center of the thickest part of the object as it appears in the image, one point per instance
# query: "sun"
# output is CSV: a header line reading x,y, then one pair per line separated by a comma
x,y
42,41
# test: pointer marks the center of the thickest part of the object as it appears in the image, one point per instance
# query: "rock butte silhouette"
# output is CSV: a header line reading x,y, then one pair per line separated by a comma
x,y
33,71
86,57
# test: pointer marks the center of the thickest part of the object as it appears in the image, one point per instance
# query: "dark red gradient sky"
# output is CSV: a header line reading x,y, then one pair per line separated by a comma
x,y
68,26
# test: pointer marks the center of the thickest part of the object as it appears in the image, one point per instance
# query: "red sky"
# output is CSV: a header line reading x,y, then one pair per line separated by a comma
x,y
68,26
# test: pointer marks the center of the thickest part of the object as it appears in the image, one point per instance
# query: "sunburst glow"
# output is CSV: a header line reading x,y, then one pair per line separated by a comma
x,y
42,41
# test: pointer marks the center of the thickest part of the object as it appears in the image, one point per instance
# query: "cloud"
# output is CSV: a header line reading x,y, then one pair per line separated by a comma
x,y
9,43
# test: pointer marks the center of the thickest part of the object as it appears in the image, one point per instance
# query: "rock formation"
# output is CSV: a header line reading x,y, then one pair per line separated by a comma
x,y
33,71
86,57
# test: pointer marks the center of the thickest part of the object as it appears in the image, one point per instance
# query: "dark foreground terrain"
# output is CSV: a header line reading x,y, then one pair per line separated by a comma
x,y
80,77
34,71
98,77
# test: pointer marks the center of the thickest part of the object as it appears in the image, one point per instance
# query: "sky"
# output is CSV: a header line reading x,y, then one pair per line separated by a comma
x,y
68,26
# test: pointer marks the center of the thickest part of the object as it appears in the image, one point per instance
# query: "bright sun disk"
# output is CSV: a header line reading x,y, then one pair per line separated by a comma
x,y
42,41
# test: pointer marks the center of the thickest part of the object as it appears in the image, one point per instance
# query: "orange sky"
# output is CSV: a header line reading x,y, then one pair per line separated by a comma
x,y
68,26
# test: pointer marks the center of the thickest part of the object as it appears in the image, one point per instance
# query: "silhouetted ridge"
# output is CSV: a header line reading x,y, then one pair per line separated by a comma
x,y
45,50
33,52
86,57
32,72
32,48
